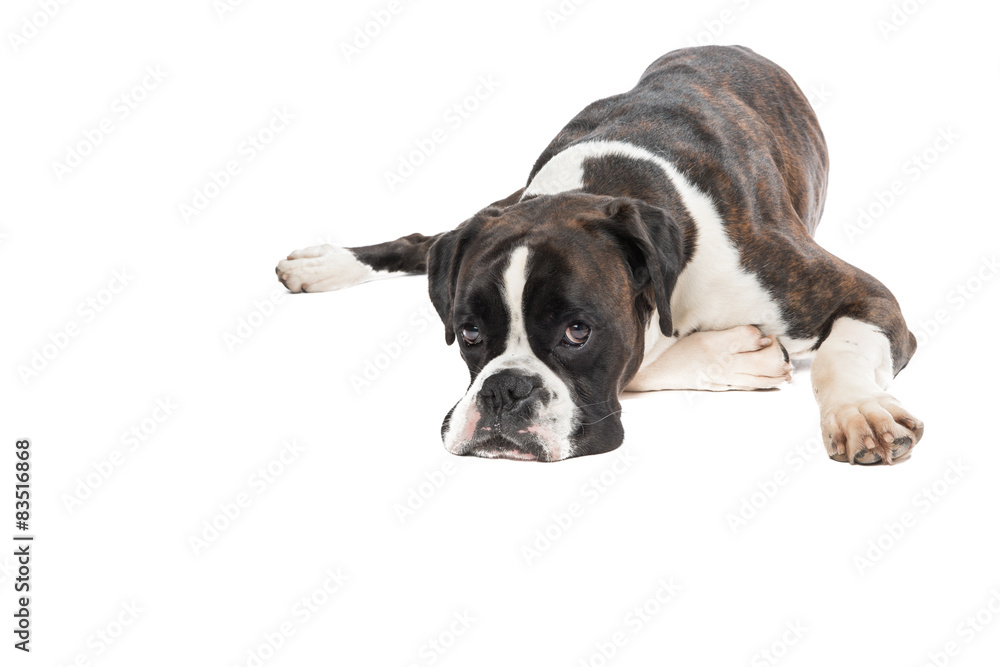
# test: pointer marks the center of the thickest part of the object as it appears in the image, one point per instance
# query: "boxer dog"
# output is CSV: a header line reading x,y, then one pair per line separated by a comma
x,y
663,241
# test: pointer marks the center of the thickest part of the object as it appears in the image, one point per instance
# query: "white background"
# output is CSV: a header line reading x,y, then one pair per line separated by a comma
x,y
868,569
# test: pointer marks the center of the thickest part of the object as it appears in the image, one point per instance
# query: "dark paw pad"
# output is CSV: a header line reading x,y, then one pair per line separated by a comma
x,y
900,447
867,457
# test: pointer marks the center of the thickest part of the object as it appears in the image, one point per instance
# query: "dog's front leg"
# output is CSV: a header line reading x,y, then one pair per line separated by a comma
x,y
741,358
861,422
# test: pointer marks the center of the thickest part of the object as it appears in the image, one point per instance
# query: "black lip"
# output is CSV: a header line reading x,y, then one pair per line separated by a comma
x,y
494,446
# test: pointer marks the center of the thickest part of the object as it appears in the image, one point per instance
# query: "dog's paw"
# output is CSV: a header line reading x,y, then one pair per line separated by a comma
x,y
322,268
871,430
741,358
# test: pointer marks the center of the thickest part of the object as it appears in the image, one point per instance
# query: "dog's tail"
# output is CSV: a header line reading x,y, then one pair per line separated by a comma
x,y
324,268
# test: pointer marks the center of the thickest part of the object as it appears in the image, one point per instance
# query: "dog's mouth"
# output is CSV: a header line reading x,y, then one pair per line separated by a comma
x,y
512,453
498,447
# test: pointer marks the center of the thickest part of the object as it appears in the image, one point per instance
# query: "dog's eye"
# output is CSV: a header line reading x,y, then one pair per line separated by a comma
x,y
576,334
471,334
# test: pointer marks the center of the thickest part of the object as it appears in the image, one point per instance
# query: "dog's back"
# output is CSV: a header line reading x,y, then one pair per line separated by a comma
x,y
732,121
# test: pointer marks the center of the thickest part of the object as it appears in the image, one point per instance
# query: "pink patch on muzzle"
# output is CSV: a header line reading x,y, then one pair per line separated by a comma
x,y
469,428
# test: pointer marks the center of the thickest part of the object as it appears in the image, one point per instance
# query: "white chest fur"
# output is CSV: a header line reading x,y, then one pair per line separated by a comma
x,y
713,292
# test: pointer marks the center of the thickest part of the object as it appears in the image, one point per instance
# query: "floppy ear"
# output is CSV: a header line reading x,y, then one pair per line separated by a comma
x,y
443,262
440,262
654,248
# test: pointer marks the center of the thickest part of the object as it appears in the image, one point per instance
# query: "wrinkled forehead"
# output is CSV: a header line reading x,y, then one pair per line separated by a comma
x,y
574,275
550,275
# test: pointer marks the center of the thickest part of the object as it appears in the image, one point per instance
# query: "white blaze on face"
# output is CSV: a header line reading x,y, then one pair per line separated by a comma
x,y
556,419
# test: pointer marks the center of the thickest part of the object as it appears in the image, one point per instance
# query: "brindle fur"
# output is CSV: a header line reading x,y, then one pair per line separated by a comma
x,y
757,150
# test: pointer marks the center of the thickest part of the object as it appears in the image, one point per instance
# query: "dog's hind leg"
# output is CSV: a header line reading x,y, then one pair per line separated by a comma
x,y
324,268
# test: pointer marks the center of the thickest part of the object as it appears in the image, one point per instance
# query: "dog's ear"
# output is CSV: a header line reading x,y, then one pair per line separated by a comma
x,y
440,262
654,249
443,262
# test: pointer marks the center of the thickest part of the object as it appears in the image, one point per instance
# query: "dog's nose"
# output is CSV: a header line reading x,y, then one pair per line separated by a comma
x,y
506,391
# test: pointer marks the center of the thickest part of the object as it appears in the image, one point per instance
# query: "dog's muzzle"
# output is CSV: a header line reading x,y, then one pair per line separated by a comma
x,y
510,418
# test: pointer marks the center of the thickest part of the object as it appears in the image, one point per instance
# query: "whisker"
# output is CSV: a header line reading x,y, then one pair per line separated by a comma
x,y
588,405
601,419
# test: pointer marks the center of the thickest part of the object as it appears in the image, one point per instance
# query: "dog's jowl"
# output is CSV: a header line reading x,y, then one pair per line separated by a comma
x,y
663,241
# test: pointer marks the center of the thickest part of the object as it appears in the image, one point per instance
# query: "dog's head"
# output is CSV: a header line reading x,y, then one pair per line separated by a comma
x,y
549,300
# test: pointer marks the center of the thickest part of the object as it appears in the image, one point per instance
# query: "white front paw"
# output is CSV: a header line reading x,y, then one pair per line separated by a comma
x,y
322,268
740,358
869,430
